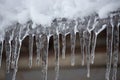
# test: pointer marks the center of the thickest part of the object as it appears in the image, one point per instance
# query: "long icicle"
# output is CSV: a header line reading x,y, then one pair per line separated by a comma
x,y
56,50
87,36
17,58
109,49
1,51
8,38
82,46
31,39
73,38
45,43
116,51
17,51
13,52
93,44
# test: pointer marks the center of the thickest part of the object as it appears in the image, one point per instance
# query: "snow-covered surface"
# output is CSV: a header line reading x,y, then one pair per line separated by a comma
x,y
44,11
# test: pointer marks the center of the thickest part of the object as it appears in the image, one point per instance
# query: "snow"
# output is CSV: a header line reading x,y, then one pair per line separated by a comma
x,y
44,11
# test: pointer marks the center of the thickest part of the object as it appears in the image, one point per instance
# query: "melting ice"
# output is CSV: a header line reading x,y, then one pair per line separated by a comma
x,y
52,19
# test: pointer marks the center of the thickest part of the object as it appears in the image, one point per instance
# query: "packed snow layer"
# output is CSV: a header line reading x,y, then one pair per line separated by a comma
x,y
44,11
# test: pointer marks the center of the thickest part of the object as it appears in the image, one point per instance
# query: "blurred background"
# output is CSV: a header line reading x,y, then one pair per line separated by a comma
x,y
67,72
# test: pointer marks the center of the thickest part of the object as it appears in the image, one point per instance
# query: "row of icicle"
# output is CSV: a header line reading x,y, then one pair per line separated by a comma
x,y
86,27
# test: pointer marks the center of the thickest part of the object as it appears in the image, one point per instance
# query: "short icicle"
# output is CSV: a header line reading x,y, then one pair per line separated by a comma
x,y
63,46
38,46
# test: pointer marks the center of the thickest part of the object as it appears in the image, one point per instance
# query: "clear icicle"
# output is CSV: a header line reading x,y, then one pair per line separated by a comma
x,y
16,59
56,50
63,46
73,38
72,27
115,49
115,52
1,51
38,45
82,46
31,39
99,27
94,39
13,52
45,45
87,36
109,49
8,38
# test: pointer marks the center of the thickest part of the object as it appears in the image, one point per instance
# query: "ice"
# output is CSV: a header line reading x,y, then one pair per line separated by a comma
x,y
72,38
44,56
99,27
1,51
115,46
63,46
8,38
109,49
63,29
82,26
87,37
16,59
31,40
56,48
38,46
53,19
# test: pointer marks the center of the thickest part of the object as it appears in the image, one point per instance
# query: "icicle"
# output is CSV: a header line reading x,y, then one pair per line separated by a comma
x,y
94,39
72,38
63,46
16,45
63,31
8,38
16,59
1,51
82,46
56,49
13,52
31,39
109,49
38,46
115,47
99,27
87,37
82,26
45,45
